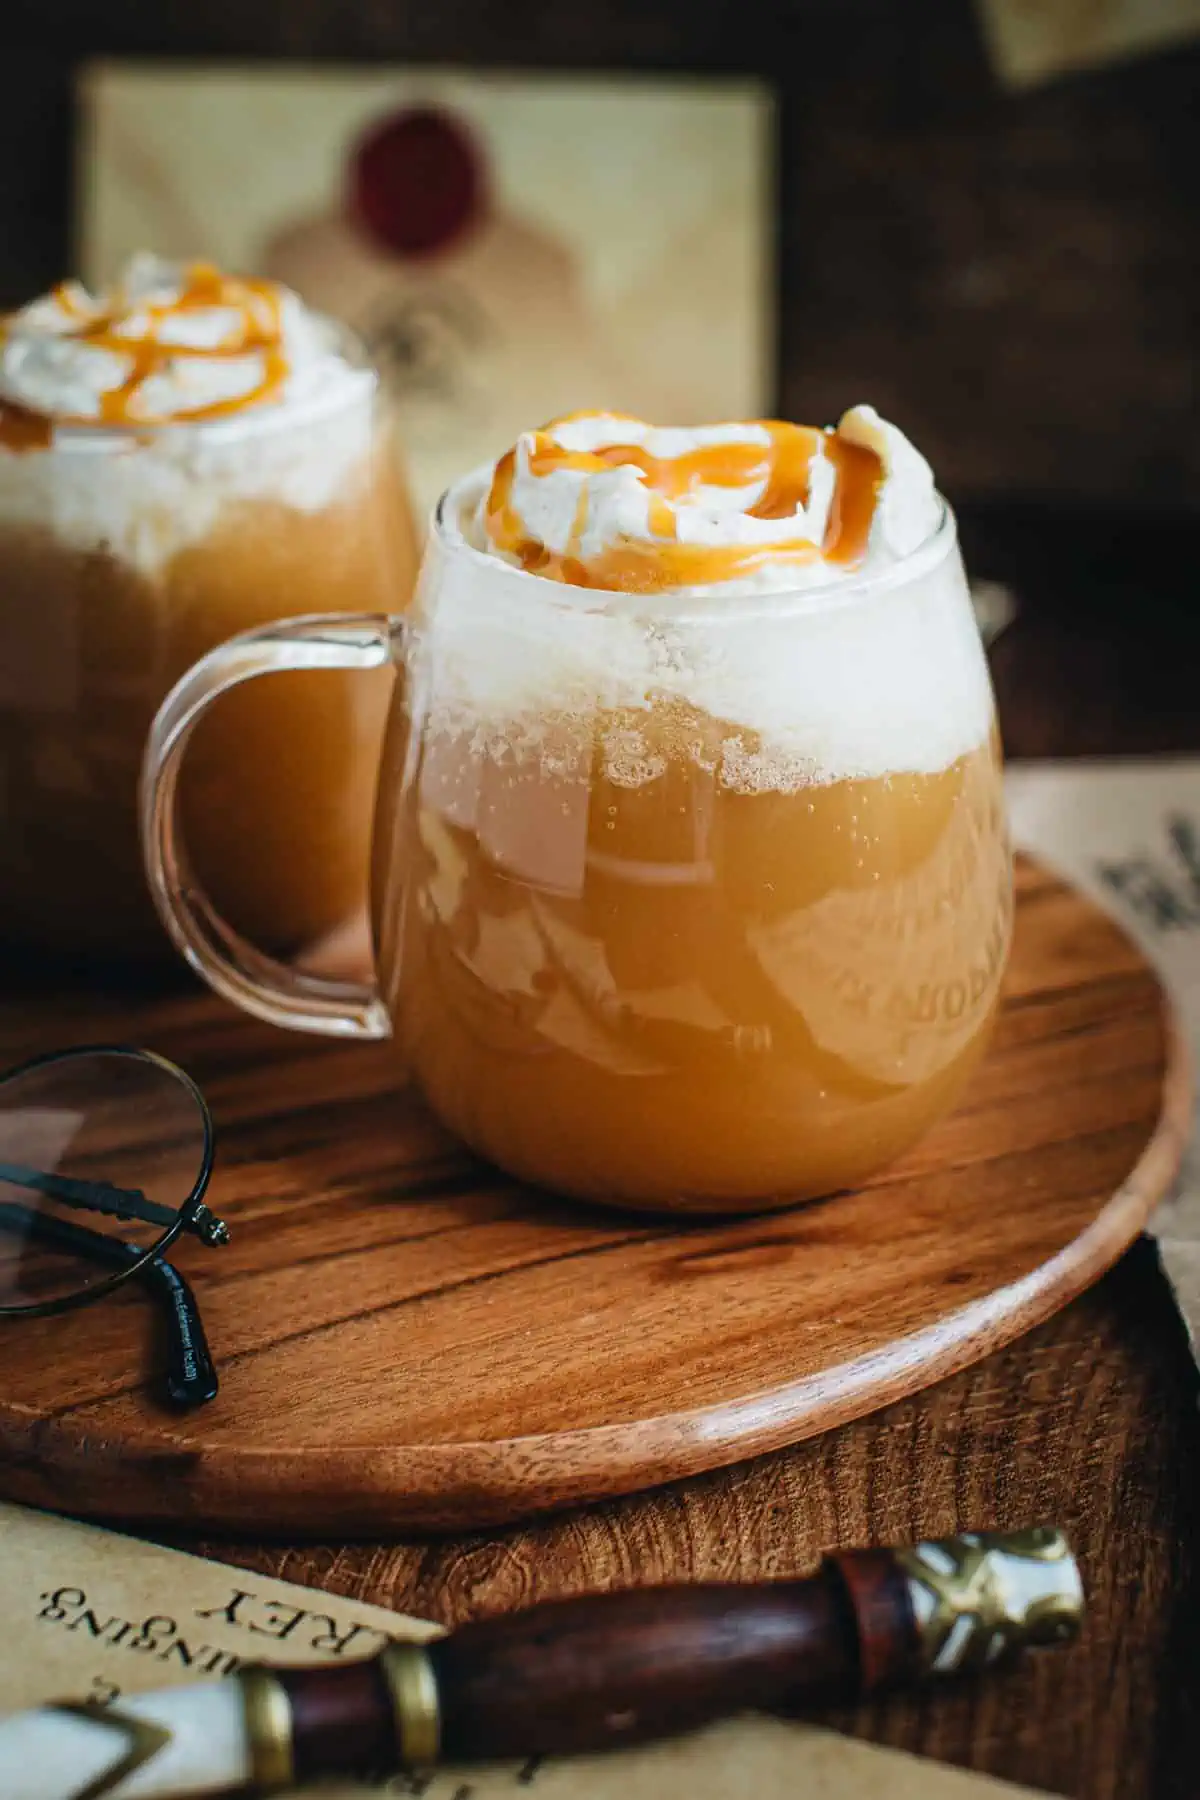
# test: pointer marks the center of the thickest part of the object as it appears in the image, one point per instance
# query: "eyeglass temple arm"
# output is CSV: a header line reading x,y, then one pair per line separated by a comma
x,y
191,1374
116,1202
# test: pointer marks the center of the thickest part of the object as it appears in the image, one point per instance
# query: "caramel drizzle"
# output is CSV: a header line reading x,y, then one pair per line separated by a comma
x,y
648,566
259,329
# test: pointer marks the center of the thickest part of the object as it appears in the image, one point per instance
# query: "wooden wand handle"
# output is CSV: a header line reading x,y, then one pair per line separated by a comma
x,y
575,1675
611,1669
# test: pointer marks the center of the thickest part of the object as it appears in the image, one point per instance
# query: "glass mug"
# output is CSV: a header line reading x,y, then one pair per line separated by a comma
x,y
683,901
125,555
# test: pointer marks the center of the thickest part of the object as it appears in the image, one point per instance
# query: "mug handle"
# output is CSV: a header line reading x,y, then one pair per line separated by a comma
x,y
258,983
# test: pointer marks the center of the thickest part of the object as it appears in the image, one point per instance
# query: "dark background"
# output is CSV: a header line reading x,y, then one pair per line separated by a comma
x,y
1014,277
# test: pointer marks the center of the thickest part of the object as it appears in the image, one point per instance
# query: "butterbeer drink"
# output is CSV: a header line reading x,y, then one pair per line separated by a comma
x,y
181,458
691,880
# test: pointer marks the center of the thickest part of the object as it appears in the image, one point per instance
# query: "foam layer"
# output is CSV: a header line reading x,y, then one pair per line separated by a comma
x,y
146,490
806,686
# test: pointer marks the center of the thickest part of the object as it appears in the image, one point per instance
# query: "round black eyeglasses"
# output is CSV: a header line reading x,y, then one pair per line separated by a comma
x,y
125,1137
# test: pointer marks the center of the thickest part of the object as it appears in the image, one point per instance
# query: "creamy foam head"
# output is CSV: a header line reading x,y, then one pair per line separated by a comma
x,y
811,670
601,500
175,392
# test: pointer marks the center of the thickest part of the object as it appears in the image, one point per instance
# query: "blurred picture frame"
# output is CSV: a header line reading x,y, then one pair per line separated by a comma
x,y
511,246
1032,42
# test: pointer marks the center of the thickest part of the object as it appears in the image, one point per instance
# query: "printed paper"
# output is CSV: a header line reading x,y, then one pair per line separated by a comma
x,y
1128,833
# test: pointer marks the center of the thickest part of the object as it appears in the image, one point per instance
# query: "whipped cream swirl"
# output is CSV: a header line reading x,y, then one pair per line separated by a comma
x,y
168,344
601,500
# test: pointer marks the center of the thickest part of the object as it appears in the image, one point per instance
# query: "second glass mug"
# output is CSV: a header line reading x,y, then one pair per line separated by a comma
x,y
680,901
125,554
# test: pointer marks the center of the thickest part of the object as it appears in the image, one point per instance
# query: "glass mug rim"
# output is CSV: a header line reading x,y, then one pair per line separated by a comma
x,y
235,427
681,604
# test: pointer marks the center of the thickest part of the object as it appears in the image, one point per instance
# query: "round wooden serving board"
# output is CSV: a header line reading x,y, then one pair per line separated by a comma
x,y
407,1338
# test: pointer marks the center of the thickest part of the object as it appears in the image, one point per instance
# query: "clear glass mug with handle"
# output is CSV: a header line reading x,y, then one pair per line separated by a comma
x,y
678,901
127,553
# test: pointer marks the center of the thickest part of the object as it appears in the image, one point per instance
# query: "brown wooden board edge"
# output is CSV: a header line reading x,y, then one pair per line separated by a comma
x,y
474,1484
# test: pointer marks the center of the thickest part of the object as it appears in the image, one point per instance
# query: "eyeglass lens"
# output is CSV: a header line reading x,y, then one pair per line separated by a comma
x,y
106,1140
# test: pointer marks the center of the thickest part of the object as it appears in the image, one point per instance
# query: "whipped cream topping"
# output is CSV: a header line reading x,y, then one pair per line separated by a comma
x,y
257,400
606,501
169,343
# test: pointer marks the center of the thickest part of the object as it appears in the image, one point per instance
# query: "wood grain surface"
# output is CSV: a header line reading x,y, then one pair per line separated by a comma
x,y
1088,1421
408,1338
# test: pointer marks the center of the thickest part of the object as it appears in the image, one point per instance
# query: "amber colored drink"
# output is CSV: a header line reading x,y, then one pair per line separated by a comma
x,y
277,802
681,993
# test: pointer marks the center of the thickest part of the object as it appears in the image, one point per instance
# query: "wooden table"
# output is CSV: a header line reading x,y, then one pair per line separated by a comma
x,y
1089,1422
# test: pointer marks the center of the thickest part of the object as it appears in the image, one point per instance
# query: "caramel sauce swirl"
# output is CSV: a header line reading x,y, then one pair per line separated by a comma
x,y
778,471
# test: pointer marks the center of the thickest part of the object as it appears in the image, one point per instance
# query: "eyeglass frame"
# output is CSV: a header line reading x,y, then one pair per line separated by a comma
x,y
190,1209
